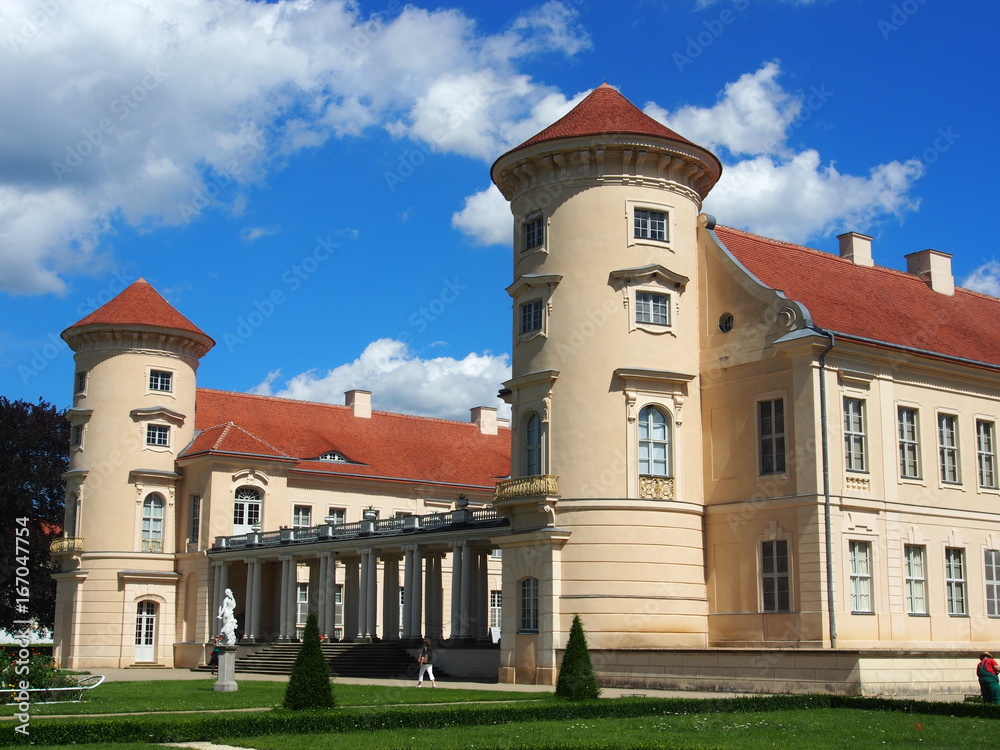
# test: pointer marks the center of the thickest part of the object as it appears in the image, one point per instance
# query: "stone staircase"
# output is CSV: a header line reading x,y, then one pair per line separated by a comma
x,y
377,660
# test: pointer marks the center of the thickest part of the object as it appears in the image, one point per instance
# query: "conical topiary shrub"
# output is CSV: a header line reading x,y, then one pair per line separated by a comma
x,y
309,684
576,673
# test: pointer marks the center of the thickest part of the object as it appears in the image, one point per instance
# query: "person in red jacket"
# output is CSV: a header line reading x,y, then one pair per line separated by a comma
x,y
988,672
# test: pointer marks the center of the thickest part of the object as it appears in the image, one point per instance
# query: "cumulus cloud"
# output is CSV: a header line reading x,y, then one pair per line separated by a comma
x,y
985,279
400,381
148,114
485,218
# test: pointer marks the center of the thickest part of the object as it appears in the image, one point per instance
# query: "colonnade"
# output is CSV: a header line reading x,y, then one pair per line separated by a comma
x,y
270,612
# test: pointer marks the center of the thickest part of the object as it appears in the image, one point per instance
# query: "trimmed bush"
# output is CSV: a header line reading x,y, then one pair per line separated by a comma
x,y
576,673
309,683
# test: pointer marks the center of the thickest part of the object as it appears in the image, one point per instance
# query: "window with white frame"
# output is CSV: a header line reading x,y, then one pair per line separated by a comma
x,y
948,447
496,609
302,516
649,225
654,443
336,516
531,316
246,510
161,380
909,446
992,578
194,528
775,583
855,458
529,605
771,428
338,609
954,579
986,454
652,308
158,435
860,559
301,608
77,436
81,382
534,232
533,445
152,523
915,579
402,601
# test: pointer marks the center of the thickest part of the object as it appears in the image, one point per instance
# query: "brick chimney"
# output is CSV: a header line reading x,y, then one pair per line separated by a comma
x,y
485,418
360,403
934,267
857,248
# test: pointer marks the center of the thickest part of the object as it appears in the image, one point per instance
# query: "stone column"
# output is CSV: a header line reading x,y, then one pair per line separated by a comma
x,y
481,596
352,581
249,630
254,616
433,597
408,591
390,598
465,617
415,597
369,593
457,553
287,582
363,626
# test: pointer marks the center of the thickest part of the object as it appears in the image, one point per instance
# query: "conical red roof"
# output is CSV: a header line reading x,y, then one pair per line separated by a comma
x,y
140,305
604,111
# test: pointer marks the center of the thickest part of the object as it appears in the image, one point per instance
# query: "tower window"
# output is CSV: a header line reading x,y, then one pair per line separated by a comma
x,y
531,316
152,523
161,380
534,233
158,435
533,445
650,225
651,307
81,382
654,443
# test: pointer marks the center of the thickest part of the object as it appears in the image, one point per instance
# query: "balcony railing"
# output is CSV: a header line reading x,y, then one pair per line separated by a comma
x,y
537,485
67,544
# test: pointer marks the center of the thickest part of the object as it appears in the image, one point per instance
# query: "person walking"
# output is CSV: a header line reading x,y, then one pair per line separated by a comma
x,y
988,672
426,662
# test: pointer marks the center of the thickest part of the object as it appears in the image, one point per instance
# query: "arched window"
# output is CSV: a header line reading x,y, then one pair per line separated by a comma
x,y
533,445
529,605
152,523
654,443
246,510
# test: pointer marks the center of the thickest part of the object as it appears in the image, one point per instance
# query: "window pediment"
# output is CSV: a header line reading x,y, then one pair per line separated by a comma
x,y
651,274
157,412
532,281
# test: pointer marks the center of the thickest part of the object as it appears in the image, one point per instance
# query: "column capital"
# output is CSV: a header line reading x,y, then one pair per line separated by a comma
x,y
411,547
390,557
456,545
286,557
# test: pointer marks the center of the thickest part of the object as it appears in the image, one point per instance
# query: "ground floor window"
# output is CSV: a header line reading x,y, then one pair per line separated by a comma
x,y
529,605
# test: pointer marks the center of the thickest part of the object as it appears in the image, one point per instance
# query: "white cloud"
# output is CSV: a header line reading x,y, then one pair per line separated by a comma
x,y
149,113
400,381
249,234
485,218
985,279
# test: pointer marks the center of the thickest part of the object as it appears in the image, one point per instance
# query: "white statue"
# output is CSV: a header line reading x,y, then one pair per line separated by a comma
x,y
227,614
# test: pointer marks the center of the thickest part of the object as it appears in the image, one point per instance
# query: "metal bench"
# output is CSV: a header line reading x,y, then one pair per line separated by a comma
x,y
70,694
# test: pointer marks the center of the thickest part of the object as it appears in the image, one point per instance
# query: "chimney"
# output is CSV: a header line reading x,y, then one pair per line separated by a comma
x,y
934,267
857,248
485,418
360,403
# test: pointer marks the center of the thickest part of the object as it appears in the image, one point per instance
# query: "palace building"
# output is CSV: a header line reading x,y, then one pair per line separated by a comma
x,y
747,464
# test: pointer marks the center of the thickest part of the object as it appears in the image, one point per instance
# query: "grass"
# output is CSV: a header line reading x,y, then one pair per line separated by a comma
x,y
199,695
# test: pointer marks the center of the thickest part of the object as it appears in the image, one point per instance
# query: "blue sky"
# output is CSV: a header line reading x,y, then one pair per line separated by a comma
x,y
308,182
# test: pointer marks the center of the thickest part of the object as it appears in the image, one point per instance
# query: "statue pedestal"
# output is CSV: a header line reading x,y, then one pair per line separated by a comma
x,y
226,683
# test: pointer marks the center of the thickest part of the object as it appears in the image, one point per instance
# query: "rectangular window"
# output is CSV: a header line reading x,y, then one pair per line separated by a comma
x,y
854,435
335,515
81,382
158,435
651,307
534,233
954,579
531,316
915,579
948,447
774,576
909,452
650,225
302,516
301,607
194,530
495,608
771,422
160,380
992,576
77,439
860,554
986,456
529,604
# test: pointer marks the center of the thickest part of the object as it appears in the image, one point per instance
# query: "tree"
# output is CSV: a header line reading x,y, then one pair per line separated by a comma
x,y
34,443
309,683
576,673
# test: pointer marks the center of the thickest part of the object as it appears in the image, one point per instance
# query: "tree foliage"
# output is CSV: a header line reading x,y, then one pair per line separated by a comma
x,y
309,683
577,681
34,442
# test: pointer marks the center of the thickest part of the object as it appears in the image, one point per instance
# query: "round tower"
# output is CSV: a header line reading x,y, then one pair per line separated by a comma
x,y
606,497
133,412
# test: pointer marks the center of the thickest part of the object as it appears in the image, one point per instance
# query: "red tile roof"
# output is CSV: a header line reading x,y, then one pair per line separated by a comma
x,y
140,305
872,302
396,446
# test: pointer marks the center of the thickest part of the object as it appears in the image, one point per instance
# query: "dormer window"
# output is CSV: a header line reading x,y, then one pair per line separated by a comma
x,y
333,456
